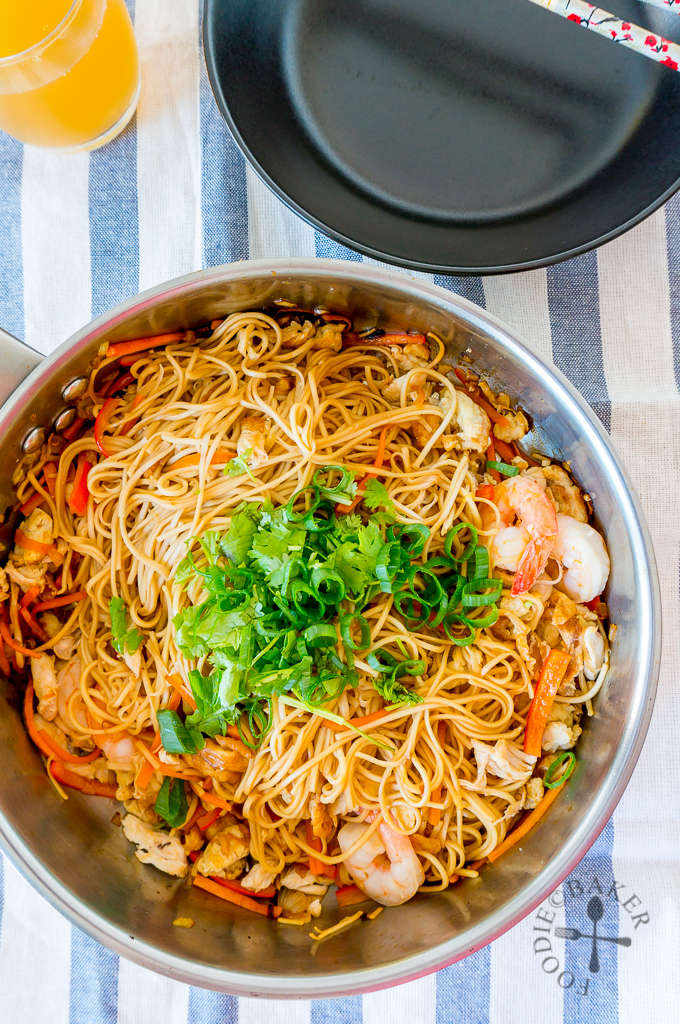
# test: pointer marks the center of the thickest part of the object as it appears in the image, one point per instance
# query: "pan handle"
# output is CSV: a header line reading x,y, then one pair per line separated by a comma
x,y
16,362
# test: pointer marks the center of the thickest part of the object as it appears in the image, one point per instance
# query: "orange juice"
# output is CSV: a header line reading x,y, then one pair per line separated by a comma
x,y
69,71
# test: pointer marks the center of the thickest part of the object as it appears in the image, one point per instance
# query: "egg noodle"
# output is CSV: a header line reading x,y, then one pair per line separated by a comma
x,y
278,397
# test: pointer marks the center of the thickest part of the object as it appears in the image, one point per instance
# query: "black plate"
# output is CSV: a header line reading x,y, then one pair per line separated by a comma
x,y
455,136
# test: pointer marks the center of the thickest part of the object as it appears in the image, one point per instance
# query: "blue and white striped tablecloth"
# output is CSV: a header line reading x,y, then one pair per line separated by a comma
x,y
79,234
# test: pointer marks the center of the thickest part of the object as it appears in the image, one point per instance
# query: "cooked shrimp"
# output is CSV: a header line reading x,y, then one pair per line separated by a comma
x,y
119,748
46,685
69,682
523,499
581,551
386,867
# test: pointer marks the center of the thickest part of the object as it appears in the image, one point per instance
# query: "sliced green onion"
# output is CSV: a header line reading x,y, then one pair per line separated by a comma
x,y
467,551
340,490
175,736
440,562
233,600
473,595
388,564
415,535
432,591
320,635
405,603
297,517
171,802
549,781
482,621
480,564
317,524
328,584
502,467
299,590
347,622
314,709
451,619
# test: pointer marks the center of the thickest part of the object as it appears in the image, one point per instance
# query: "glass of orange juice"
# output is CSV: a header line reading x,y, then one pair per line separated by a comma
x,y
69,72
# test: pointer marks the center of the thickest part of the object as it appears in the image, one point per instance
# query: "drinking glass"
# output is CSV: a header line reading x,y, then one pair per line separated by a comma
x,y
69,72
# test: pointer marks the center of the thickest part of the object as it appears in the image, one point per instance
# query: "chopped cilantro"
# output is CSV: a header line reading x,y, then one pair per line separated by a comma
x,y
123,640
239,466
376,496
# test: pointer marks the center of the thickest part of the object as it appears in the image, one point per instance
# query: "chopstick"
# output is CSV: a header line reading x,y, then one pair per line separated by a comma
x,y
665,5
624,32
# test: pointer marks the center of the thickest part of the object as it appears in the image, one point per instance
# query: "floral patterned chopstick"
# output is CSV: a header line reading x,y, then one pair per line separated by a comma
x,y
635,38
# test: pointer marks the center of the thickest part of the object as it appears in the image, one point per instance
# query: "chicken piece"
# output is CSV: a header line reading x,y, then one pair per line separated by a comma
x,y
305,882
343,804
134,661
37,527
328,336
563,492
475,425
562,729
294,335
393,390
228,846
225,821
158,848
27,576
504,760
46,685
236,869
216,762
593,648
194,840
171,759
524,615
427,844
52,729
565,619
4,585
322,823
517,428
63,648
534,794
410,357
258,878
253,432
94,770
126,785
144,812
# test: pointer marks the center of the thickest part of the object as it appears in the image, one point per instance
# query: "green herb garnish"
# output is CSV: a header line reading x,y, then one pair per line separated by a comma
x,y
171,802
123,640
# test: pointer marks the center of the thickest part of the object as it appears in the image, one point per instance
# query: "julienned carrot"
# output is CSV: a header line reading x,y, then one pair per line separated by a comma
x,y
30,722
35,628
174,701
88,786
128,348
28,544
63,755
315,866
9,639
505,450
491,454
29,597
219,458
35,501
552,674
50,471
493,415
210,798
177,684
4,662
58,602
206,818
526,824
349,894
377,464
263,894
144,775
476,864
224,893
358,722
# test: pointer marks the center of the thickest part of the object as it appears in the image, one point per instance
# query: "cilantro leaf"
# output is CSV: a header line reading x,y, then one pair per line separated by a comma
x,y
201,628
238,465
123,639
239,536
376,496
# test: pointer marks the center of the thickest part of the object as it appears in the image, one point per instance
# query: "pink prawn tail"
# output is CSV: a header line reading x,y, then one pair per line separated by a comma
x,y
532,564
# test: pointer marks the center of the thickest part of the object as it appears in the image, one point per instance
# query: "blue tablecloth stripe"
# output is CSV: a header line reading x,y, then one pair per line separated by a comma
x,y
574,302
337,1011
94,981
593,878
211,1008
673,252
11,270
224,199
327,248
471,288
463,990
114,226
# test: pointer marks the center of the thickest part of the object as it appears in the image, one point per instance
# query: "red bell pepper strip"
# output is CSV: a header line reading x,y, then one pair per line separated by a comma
x,y
80,493
75,428
88,786
102,422
552,674
349,894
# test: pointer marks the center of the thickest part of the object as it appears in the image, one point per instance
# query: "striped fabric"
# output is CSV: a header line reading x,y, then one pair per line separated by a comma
x,y
77,235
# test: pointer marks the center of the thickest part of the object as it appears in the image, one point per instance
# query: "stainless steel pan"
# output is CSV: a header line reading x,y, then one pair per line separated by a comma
x,y
73,855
